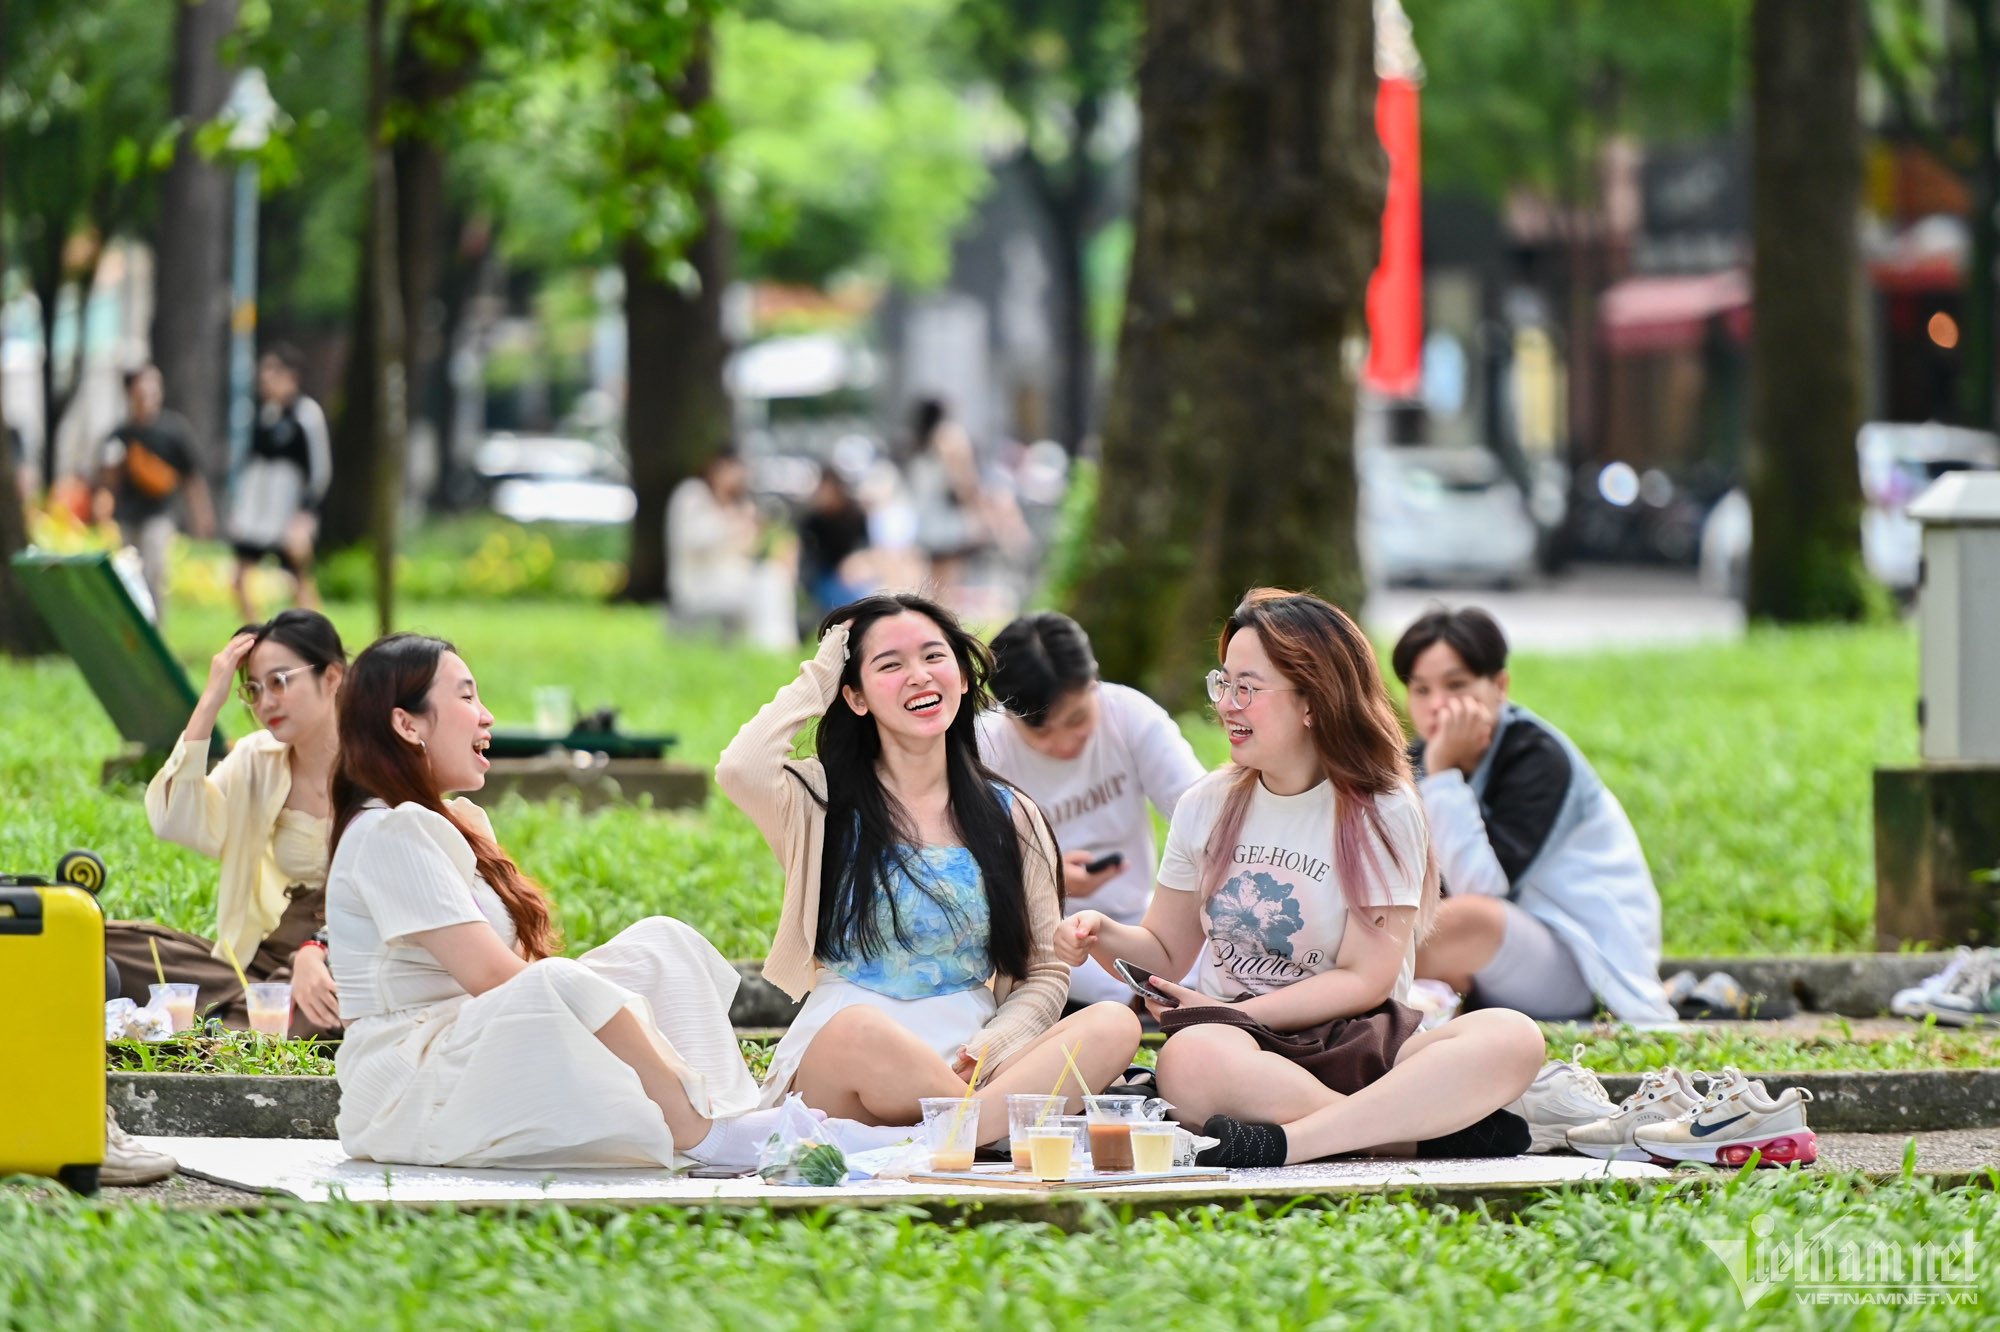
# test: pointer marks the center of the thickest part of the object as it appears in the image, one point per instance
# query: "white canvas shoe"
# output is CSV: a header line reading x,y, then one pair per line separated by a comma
x,y
1738,1118
1914,1002
1663,1096
1563,1096
127,1162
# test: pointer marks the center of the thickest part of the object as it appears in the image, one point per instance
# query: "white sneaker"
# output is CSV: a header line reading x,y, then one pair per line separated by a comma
x,y
1563,1096
1967,994
1915,1001
1663,1096
1738,1118
128,1163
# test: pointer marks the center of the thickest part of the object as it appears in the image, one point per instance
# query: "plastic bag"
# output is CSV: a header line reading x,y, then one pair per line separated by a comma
x,y
1437,1001
124,1020
801,1151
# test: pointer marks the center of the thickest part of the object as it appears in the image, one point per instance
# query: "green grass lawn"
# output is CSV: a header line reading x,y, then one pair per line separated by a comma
x,y
1596,1256
1746,768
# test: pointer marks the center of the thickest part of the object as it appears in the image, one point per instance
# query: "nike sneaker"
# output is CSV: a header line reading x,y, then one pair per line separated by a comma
x,y
1738,1118
1663,1096
1971,996
1563,1096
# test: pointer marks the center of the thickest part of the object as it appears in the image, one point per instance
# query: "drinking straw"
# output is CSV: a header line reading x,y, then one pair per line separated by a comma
x,y
1062,1075
154,944
1082,1087
230,953
965,1101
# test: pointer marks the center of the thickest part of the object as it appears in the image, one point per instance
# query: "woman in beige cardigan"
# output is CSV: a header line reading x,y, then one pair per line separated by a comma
x,y
921,892
265,814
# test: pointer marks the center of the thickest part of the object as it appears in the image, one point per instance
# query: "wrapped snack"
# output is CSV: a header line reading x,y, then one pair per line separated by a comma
x,y
124,1020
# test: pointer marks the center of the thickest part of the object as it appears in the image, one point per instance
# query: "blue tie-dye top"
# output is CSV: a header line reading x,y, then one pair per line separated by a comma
x,y
945,918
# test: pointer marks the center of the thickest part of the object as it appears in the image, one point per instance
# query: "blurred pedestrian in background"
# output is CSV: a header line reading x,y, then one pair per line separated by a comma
x,y
274,506
833,545
718,565
145,463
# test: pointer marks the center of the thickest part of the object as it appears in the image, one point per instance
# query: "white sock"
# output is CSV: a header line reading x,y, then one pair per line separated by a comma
x,y
855,1137
734,1142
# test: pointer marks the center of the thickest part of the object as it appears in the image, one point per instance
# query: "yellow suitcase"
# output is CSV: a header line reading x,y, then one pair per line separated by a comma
x,y
52,1042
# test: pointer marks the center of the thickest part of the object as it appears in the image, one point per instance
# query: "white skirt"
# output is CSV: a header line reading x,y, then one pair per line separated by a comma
x,y
944,1022
517,1076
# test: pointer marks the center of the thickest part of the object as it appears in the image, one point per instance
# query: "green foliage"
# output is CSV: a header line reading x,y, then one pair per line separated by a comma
x,y
1595,1255
1746,1046
1525,92
236,1052
487,558
1076,525
845,148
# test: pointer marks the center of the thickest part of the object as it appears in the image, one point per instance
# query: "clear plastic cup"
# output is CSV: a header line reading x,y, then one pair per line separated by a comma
x,y
1152,1148
951,1131
271,1008
176,999
1079,1132
1111,1120
1051,1152
1026,1110
555,714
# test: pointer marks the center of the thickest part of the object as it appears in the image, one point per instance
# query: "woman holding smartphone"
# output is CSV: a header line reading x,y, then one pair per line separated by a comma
x,y
1301,877
922,893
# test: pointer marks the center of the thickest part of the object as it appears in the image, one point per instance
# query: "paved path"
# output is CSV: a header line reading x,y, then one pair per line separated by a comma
x,y
1591,606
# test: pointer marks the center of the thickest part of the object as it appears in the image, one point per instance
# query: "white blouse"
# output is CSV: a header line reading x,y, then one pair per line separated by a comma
x,y
400,872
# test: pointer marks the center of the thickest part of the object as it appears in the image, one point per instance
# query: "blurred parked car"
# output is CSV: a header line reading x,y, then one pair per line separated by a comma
x,y
1432,514
1898,461
554,478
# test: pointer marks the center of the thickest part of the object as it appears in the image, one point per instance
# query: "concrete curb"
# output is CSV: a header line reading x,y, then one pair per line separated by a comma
x,y
214,1105
1850,984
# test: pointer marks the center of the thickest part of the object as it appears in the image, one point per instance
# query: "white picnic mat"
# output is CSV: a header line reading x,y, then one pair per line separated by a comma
x,y
316,1170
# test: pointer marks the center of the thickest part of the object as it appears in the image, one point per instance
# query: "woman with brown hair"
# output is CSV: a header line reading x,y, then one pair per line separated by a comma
x,y
469,1043
1301,876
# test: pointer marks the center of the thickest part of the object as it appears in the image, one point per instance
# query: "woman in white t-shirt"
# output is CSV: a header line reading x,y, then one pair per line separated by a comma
x,y
1090,755
1301,876
469,1043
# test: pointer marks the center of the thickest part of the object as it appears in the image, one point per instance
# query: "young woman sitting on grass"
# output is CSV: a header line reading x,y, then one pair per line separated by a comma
x,y
264,813
1301,877
1552,907
469,1043
921,892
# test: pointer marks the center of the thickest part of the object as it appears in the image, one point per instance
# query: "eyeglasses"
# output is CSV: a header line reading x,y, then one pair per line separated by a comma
x,y
251,690
1221,686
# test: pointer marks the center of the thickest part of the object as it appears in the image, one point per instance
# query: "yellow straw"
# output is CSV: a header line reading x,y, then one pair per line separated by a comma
x,y
1062,1076
154,944
1082,1087
230,953
965,1102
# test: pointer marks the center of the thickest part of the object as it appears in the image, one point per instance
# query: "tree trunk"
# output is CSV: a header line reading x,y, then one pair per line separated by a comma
x,y
676,410
391,399
1229,436
434,61
1805,396
1068,197
21,630
1977,349
191,308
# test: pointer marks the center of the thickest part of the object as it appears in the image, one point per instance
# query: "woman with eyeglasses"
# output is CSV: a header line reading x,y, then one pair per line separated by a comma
x,y
266,814
1301,877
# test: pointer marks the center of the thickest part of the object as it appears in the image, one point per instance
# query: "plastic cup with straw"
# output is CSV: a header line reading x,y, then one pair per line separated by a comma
x,y
177,1000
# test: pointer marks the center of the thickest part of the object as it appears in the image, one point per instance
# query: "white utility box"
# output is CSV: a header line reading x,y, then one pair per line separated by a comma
x,y
1958,613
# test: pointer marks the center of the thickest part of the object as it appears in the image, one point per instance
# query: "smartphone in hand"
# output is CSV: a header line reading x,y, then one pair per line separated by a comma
x,y
1142,983
1109,860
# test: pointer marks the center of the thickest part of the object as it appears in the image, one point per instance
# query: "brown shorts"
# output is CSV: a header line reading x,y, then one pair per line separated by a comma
x,y
1345,1054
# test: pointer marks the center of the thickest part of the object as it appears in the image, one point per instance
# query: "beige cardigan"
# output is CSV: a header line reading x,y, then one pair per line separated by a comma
x,y
758,772
228,816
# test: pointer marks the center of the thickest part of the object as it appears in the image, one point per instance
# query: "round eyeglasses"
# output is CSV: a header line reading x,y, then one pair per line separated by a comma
x,y
274,684
1221,687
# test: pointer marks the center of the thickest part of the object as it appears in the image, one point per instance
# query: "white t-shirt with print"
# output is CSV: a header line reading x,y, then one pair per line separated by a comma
x,y
1279,914
1097,802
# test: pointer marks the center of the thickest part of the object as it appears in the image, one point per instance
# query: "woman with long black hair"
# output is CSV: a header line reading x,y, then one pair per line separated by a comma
x,y
921,891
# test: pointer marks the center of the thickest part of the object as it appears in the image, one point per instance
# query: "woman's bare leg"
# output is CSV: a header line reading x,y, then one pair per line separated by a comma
x,y
1443,1080
624,1037
865,1065
1211,1069
1468,934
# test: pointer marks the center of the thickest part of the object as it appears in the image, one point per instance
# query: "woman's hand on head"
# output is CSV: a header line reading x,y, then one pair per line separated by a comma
x,y
222,670
313,989
1077,935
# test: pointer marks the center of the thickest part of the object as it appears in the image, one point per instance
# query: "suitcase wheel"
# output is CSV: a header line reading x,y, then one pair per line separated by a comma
x,y
81,868
79,1178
